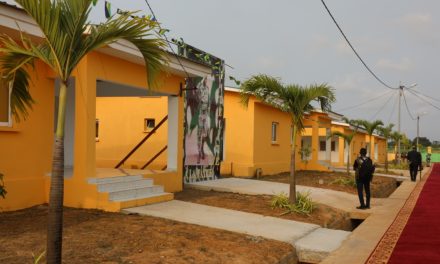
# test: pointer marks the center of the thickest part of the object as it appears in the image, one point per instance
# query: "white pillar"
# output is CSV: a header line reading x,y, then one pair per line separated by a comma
x,y
173,128
328,145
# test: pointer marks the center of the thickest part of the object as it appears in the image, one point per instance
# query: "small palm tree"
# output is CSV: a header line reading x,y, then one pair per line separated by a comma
x,y
348,138
370,127
68,37
396,137
293,99
386,133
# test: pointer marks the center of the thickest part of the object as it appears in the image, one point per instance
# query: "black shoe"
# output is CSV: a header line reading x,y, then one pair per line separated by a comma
x,y
362,207
367,207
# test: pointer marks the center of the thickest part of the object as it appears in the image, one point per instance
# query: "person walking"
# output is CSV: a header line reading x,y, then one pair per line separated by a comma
x,y
415,162
364,169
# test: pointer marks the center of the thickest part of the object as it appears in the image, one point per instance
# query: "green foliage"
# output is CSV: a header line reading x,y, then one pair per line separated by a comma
x,y
38,259
345,181
3,192
305,153
401,166
304,204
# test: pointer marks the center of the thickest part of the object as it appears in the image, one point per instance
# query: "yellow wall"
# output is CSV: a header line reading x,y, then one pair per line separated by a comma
x,y
239,136
26,148
121,128
248,138
271,157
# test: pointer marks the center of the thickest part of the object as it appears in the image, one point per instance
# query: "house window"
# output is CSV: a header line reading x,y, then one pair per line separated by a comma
x,y
97,129
322,145
333,147
274,131
149,124
5,104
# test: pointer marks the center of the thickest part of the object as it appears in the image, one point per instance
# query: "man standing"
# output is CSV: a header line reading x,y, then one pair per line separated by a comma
x,y
415,162
364,169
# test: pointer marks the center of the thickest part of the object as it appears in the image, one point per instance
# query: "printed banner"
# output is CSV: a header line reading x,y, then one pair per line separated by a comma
x,y
204,125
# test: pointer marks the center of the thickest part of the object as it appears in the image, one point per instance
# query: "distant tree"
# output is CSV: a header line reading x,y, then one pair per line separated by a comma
x,y
424,141
348,138
293,99
396,136
386,133
370,127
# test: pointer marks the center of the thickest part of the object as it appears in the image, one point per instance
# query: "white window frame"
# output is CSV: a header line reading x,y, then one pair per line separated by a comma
x,y
274,134
9,122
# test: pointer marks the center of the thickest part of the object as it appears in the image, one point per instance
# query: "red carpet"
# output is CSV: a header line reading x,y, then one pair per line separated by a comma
x,y
420,239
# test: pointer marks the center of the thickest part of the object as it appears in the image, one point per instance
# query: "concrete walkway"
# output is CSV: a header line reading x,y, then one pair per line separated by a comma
x,y
340,200
311,242
363,240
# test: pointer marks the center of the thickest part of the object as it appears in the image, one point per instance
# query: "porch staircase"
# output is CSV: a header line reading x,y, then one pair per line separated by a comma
x,y
131,190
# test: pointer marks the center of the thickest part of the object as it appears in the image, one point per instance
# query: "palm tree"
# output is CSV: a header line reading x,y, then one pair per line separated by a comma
x,y
370,127
348,138
68,37
386,133
293,99
397,137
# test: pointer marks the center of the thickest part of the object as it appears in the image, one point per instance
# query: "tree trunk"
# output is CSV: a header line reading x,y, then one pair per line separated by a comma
x,y
386,156
292,192
56,195
348,159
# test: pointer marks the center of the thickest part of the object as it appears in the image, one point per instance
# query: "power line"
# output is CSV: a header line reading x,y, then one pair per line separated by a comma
x,y
394,107
382,107
370,100
168,42
354,50
407,108
424,100
430,97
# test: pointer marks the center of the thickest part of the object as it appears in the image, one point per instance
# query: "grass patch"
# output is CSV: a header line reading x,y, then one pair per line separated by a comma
x,y
304,204
345,181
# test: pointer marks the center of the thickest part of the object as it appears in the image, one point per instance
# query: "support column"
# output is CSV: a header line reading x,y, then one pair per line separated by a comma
x,y
328,146
315,142
173,128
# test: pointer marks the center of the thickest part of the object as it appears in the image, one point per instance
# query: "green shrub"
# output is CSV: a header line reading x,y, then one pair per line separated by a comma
x,y
38,259
304,204
3,191
345,181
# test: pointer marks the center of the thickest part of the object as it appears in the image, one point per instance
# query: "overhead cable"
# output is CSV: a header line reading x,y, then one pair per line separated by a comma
x,y
368,101
354,50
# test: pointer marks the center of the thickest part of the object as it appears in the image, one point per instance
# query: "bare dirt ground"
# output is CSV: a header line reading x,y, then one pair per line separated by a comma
x,y
381,187
92,236
323,215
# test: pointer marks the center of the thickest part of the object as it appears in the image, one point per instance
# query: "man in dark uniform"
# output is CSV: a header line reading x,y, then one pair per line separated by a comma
x,y
415,163
363,167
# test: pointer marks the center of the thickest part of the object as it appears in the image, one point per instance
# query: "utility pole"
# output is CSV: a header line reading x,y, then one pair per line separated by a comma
x,y
417,141
399,115
398,123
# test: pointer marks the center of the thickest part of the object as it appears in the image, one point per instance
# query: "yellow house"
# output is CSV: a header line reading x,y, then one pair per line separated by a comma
x,y
360,140
103,85
258,139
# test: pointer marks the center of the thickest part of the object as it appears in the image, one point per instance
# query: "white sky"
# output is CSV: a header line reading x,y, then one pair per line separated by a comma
x,y
297,41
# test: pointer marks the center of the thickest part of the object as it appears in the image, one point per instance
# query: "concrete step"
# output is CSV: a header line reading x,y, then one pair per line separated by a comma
x,y
317,245
160,197
135,193
115,179
124,185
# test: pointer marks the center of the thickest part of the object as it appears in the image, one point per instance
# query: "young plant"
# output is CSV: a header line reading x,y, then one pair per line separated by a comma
x,y
345,181
304,204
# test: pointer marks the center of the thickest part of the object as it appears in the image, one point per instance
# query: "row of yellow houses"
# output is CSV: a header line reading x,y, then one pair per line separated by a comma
x,y
110,110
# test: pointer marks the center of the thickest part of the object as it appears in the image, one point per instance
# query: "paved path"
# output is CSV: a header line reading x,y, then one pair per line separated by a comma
x,y
226,219
341,200
311,242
